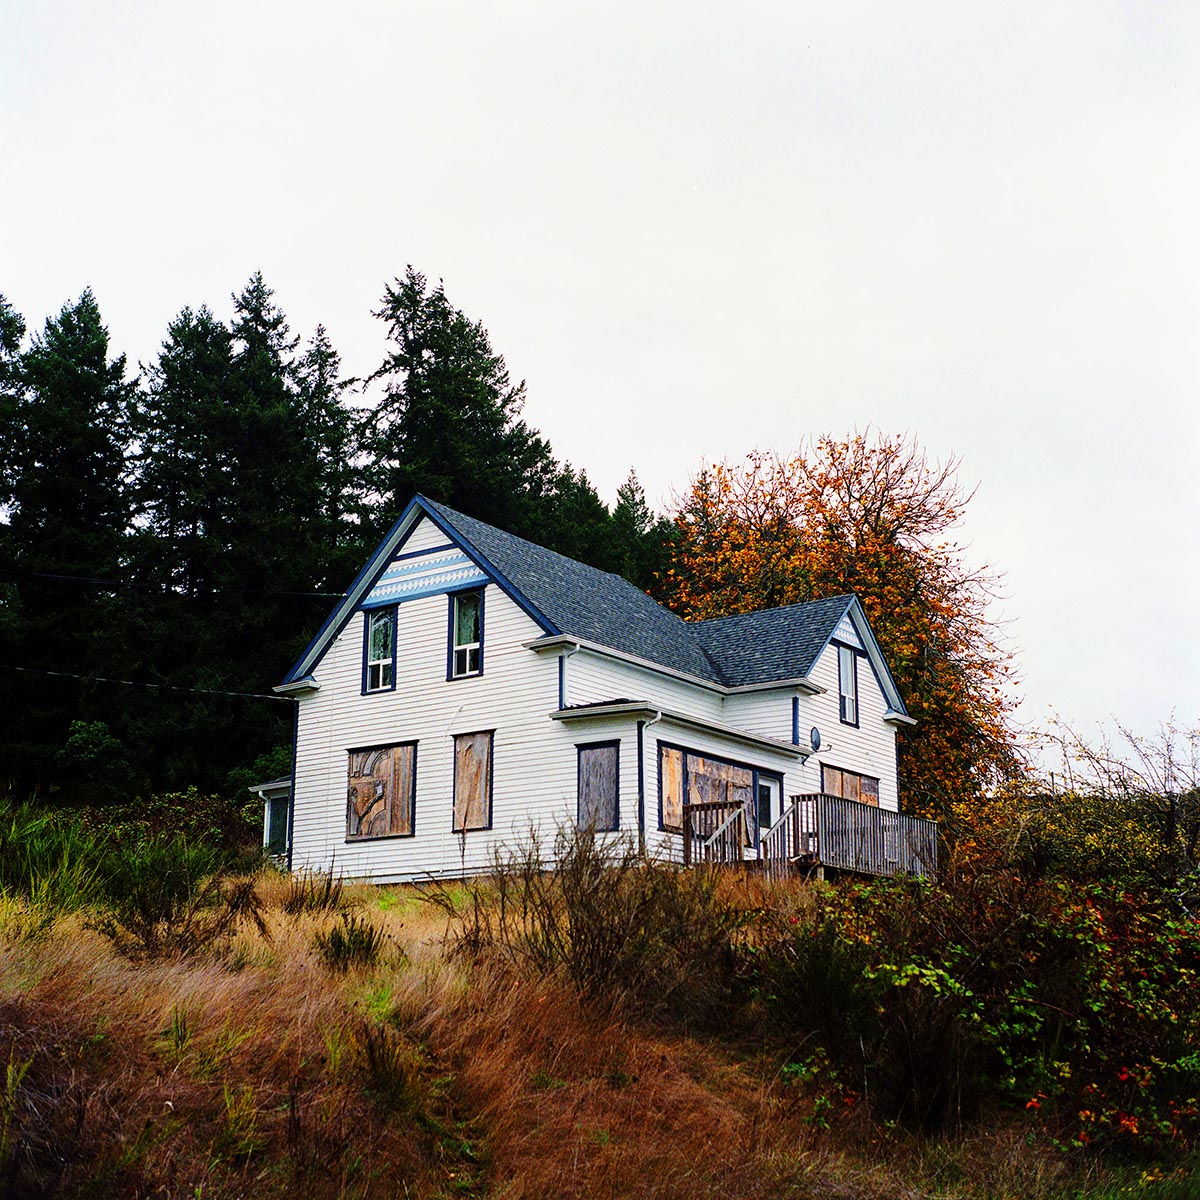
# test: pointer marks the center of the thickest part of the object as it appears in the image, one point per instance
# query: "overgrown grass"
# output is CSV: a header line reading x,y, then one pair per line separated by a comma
x,y
552,1045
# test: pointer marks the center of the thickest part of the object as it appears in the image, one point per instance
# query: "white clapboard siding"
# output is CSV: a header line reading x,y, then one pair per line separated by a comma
x,y
534,758
868,750
592,677
767,713
424,536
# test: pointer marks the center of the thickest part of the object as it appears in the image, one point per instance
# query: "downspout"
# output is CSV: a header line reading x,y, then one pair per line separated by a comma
x,y
562,673
642,726
292,785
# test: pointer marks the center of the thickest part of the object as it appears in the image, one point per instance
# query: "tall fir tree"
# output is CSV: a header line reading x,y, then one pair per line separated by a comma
x,y
449,423
69,508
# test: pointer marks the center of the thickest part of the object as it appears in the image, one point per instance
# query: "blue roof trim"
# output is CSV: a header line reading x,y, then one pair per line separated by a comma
x,y
337,611
878,659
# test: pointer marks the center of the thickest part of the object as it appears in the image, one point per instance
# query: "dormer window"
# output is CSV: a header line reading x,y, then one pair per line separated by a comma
x,y
848,684
466,634
379,654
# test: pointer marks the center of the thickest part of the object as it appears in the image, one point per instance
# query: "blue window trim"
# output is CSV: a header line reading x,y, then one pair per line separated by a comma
x,y
855,655
795,720
755,773
368,614
580,747
412,800
451,599
454,779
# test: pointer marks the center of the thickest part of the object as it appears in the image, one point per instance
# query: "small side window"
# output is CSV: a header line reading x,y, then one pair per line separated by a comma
x,y
599,786
466,634
848,684
379,666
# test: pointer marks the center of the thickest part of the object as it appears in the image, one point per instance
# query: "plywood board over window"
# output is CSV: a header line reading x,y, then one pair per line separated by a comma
x,y
670,767
381,791
473,781
599,786
863,788
713,781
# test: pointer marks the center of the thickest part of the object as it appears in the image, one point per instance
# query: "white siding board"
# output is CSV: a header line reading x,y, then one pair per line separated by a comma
x,y
767,713
869,749
425,535
592,677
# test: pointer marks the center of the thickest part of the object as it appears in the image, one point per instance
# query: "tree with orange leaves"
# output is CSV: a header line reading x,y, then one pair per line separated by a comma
x,y
870,517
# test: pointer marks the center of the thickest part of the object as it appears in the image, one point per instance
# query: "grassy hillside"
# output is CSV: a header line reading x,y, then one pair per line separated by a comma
x,y
635,1032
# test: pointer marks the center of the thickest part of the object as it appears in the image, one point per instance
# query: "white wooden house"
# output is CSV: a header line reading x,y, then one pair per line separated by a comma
x,y
471,686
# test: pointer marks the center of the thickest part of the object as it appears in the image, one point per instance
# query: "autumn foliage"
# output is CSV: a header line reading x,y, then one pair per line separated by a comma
x,y
872,517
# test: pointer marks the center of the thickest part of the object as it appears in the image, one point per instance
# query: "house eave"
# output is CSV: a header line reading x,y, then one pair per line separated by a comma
x,y
898,718
297,687
640,708
563,641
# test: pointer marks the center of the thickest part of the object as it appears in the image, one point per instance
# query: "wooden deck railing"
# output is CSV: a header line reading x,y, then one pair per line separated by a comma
x,y
714,833
831,831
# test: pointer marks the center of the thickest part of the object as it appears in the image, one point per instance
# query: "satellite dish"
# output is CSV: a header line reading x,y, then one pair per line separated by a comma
x,y
814,736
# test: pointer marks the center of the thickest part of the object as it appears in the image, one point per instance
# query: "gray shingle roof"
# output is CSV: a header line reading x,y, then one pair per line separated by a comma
x,y
597,606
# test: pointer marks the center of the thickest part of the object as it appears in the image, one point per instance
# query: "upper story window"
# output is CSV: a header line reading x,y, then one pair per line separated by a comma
x,y
379,653
466,634
848,684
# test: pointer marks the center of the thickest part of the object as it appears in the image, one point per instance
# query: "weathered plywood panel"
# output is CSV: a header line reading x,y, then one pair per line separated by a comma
x,y
472,781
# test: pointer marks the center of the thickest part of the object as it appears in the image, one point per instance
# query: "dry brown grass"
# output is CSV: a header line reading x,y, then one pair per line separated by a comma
x,y
246,1074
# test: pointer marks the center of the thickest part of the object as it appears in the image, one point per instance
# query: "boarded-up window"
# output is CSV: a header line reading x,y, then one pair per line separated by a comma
x,y
598,786
670,772
382,791
863,788
711,781
473,781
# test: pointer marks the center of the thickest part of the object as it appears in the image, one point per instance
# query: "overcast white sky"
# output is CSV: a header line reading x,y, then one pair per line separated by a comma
x,y
696,230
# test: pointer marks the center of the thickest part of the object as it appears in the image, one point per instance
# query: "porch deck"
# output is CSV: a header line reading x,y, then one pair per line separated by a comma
x,y
815,832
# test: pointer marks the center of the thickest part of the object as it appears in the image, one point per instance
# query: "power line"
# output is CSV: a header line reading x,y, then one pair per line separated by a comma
x,y
166,687
163,588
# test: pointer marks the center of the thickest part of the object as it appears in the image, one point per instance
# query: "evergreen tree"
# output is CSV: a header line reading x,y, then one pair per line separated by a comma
x,y
642,540
328,433
69,510
243,482
449,422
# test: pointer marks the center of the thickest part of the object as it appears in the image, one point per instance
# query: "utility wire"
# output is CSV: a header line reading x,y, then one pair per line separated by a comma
x,y
166,687
163,588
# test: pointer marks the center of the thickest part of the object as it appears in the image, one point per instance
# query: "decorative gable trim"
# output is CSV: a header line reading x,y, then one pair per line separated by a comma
x,y
425,573
381,564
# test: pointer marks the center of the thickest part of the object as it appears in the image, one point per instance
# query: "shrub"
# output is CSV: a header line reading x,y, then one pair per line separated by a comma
x,y
163,899
47,857
393,1070
313,892
618,925
354,942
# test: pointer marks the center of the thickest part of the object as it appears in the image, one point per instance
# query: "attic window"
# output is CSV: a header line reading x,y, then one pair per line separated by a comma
x,y
848,684
466,634
379,651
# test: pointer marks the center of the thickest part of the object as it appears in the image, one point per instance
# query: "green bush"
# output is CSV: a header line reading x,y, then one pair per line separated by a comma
x,y
48,857
165,895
